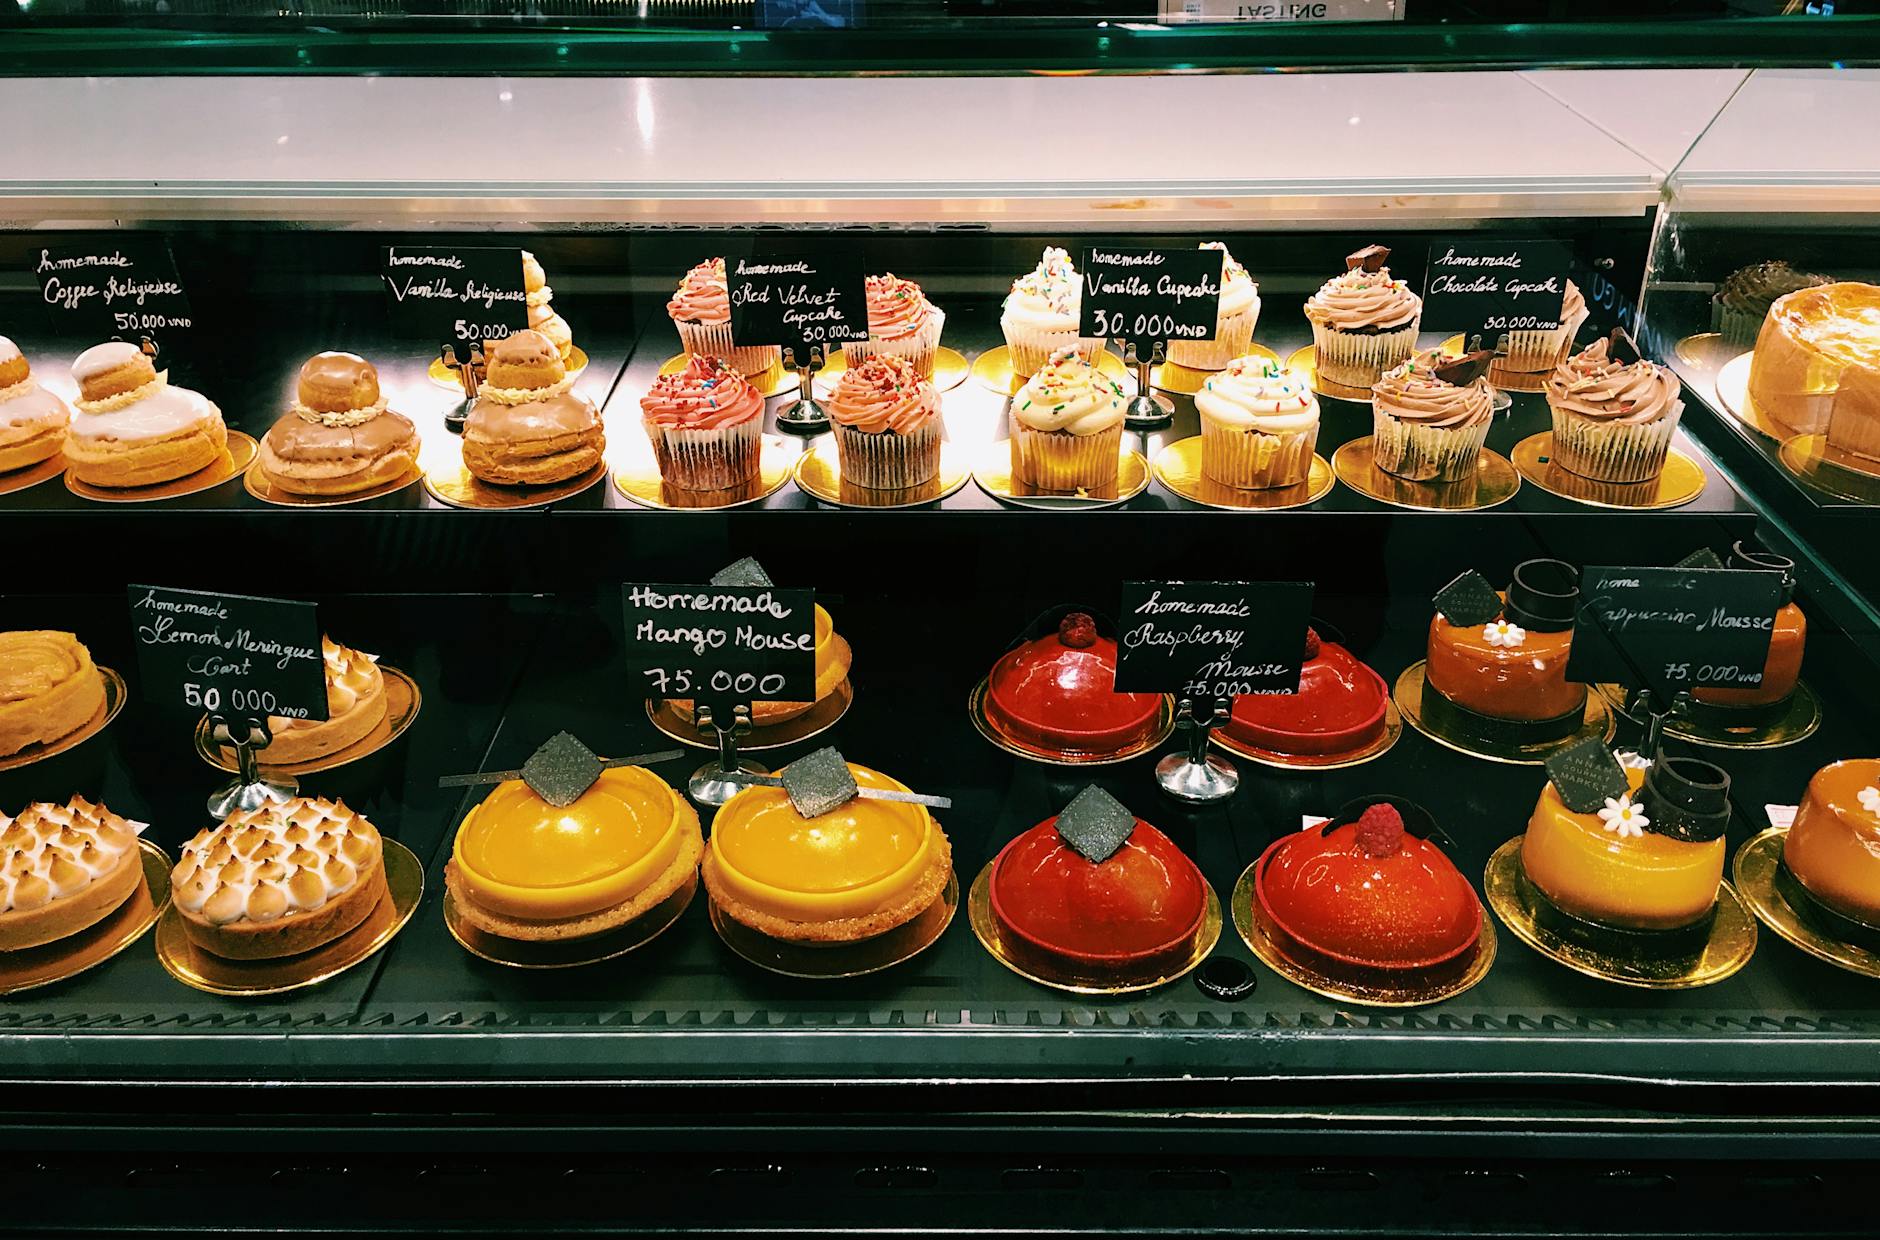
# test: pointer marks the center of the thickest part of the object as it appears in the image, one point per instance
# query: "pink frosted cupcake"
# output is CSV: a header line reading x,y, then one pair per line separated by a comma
x,y
701,310
887,424
1613,421
901,323
1233,324
1363,322
706,424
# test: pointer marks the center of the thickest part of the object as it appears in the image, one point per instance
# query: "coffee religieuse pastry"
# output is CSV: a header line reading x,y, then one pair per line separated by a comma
x,y
1502,659
1067,426
1629,847
64,869
527,428
901,323
1233,325
850,873
32,420
355,704
1040,315
1058,693
1788,637
1742,301
1338,708
1430,417
1097,893
1816,368
1259,425
706,424
701,311
542,315
338,438
132,427
1369,895
1363,322
1614,413
280,880
1833,847
887,424
49,688
592,850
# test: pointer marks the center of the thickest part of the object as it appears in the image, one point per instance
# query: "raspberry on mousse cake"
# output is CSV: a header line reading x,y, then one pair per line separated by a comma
x,y
1058,694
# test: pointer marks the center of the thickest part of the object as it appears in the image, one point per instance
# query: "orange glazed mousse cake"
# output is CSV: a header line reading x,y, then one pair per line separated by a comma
x,y
858,871
63,869
1833,847
528,867
1788,639
1502,662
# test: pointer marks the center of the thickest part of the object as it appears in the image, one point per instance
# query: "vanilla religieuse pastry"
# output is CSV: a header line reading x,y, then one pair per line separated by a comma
x,y
355,703
49,688
133,428
64,869
338,437
527,428
32,420
279,880
542,316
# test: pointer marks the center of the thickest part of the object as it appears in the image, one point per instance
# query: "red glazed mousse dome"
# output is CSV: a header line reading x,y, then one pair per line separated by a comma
x,y
1369,894
1134,913
1059,693
1339,706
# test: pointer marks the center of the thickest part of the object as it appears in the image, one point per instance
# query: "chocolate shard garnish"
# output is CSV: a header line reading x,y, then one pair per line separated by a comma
x,y
1096,824
1466,369
562,769
1621,348
1586,774
819,783
1703,557
1371,258
1468,601
746,572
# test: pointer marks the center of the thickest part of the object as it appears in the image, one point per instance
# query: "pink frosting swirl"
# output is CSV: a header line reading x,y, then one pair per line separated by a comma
x,y
897,308
884,393
706,395
1595,386
702,296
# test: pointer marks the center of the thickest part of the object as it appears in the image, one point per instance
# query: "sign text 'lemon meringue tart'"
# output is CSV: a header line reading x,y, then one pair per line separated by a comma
x,y
859,868
280,880
574,848
49,688
63,869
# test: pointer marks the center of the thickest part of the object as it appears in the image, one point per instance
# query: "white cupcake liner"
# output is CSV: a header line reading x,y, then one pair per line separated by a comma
x,y
1060,461
1359,359
1032,347
918,349
889,460
1419,453
707,460
1608,452
1233,337
1538,352
714,340
1737,325
1251,460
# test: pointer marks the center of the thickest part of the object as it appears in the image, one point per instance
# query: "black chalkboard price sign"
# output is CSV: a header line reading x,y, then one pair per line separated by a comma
x,y
1491,286
1148,295
1208,640
794,300
124,288
458,297
721,645
1674,628
231,655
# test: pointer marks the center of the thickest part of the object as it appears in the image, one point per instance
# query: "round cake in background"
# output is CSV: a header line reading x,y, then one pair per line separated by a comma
x,y
1833,846
1816,368
49,688
1059,693
1339,707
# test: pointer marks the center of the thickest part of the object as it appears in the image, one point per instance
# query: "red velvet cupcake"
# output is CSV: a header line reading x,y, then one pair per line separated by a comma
x,y
1059,693
1339,707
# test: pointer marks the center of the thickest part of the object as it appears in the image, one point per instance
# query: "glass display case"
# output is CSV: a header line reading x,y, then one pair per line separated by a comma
x,y
692,1070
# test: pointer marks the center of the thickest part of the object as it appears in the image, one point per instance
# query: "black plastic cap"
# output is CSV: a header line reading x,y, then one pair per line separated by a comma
x,y
1544,595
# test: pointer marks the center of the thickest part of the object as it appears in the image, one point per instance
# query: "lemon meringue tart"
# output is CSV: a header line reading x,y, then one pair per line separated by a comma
x,y
525,868
49,688
280,880
355,704
857,871
64,869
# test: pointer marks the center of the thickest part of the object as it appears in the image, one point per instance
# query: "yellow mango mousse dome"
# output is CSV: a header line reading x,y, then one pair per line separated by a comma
x,y
523,868
860,870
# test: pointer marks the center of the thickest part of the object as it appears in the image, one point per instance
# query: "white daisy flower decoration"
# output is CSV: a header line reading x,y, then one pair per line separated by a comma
x,y
1870,800
1503,633
1623,818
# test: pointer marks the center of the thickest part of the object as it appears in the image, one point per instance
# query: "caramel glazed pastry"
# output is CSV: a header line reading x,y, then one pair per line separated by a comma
x,y
32,420
527,428
63,869
280,880
338,437
49,688
355,703
132,428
